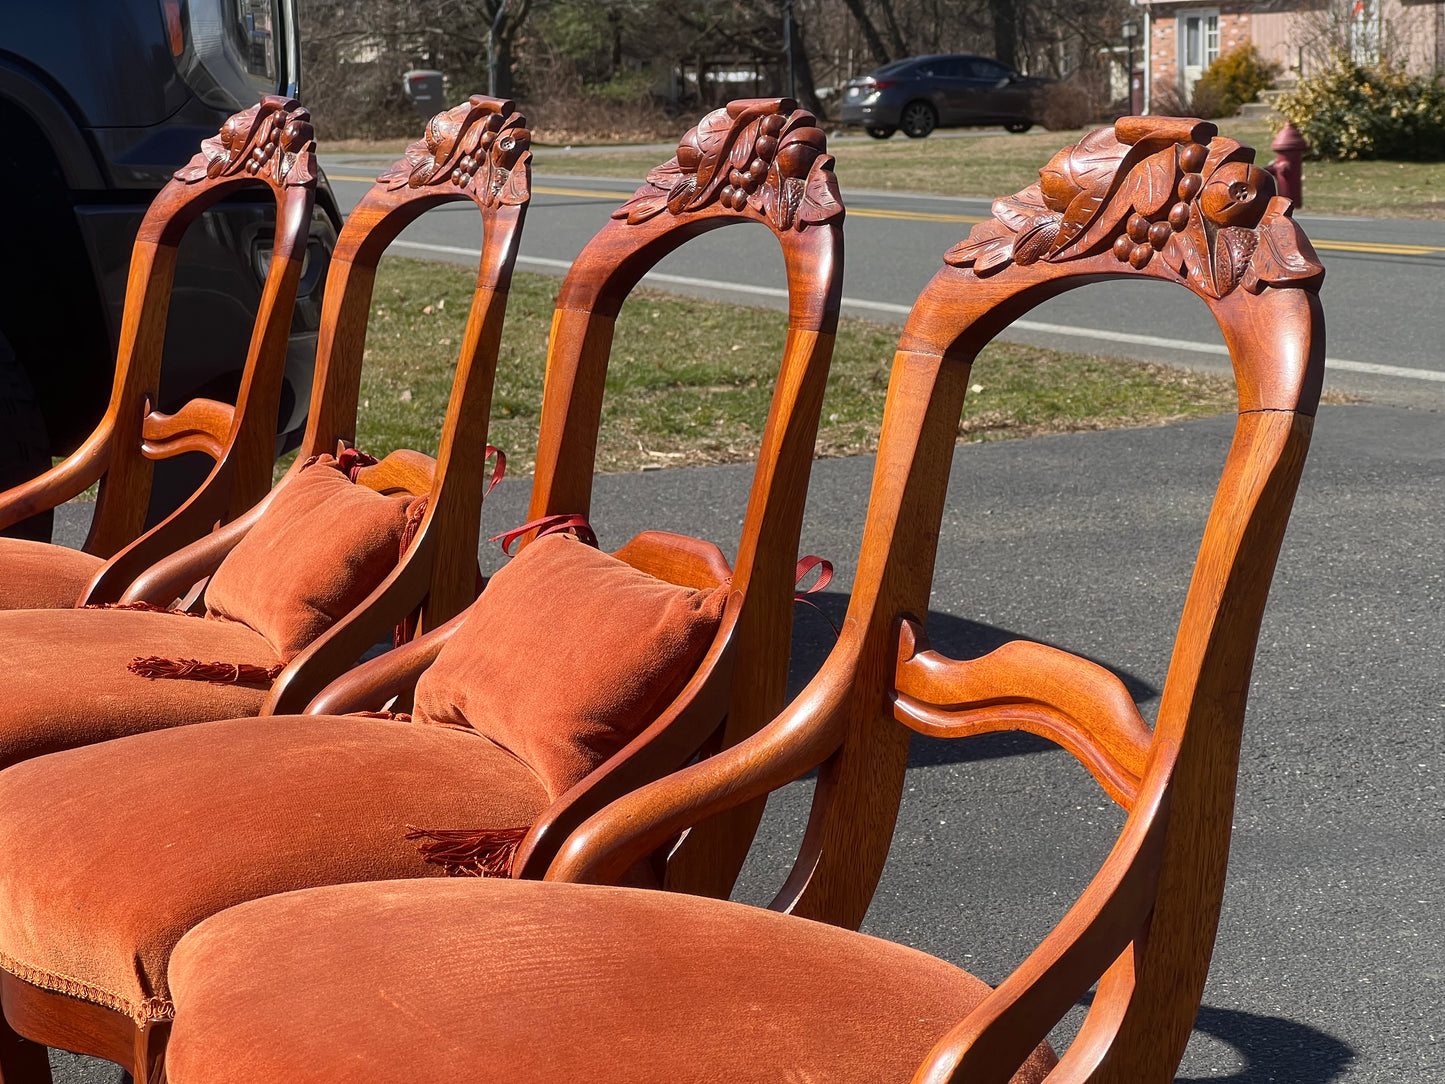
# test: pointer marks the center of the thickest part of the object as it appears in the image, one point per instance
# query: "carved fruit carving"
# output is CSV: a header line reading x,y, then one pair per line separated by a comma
x,y
1151,188
273,139
760,154
482,145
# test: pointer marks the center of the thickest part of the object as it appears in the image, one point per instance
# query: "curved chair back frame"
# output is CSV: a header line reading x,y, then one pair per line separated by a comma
x,y
479,150
791,190
271,144
1145,925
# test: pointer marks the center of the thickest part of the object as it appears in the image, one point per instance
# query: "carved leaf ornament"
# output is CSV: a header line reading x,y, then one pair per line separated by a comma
x,y
274,138
762,154
484,141
1151,188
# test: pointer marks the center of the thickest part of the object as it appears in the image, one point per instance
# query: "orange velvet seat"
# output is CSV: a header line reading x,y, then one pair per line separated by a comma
x,y
41,575
451,980
68,685
142,838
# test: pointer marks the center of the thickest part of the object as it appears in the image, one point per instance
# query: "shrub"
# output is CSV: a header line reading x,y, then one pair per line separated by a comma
x,y
625,87
1350,110
1234,78
1074,102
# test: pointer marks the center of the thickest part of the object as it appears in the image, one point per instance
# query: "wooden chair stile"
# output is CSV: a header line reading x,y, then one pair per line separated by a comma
x,y
271,144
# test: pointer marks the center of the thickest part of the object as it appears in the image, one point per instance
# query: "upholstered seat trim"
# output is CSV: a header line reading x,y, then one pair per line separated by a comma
x,y
143,1012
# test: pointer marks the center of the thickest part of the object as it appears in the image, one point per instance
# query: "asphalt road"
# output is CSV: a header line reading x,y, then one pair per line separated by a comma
x,y
1384,291
1330,964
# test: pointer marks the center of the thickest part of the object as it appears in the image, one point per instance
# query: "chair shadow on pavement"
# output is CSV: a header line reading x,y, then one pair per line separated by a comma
x,y
956,637
1274,1050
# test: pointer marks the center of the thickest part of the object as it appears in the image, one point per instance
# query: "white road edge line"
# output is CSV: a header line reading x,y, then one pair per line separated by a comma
x,y
1338,364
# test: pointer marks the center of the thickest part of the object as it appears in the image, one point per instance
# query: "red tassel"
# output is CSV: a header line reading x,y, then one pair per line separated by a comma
x,y
470,852
415,513
398,716
217,673
141,607
406,627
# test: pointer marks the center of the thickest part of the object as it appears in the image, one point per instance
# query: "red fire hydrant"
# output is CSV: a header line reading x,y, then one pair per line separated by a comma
x,y
1288,166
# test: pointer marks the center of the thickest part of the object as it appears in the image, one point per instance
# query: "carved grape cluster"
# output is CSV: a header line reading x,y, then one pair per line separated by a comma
x,y
1234,199
273,138
1141,237
763,154
508,151
483,141
1167,189
742,183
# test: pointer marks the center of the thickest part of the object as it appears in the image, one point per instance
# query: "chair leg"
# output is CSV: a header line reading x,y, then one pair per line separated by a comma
x,y
150,1053
21,1060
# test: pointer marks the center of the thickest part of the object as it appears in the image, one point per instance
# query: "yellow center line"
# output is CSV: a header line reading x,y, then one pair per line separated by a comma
x,y
1382,249
593,193
914,216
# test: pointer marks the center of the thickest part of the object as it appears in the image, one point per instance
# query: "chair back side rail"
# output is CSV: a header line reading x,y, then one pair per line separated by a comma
x,y
1074,703
200,425
115,453
1144,927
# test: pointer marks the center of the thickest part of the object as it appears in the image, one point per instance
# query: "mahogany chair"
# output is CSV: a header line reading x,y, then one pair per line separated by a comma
x,y
68,671
580,980
271,144
316,798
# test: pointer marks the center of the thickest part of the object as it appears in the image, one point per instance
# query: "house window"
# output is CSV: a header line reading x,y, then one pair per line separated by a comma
x,y
1201,40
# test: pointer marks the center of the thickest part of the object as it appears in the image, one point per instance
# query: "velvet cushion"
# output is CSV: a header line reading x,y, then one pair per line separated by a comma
x,y
522,981
66,682
42,576
112,852
321,546
567,655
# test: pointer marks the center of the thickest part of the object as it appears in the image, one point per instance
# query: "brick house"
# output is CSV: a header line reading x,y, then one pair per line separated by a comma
x,y
1183,37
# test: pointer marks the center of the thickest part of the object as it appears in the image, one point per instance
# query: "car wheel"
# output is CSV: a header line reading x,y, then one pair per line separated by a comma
x,y
881,132
24,441
918,119
1018,126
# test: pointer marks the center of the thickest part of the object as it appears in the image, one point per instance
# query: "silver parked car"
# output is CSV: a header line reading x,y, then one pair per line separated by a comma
x,y
947,91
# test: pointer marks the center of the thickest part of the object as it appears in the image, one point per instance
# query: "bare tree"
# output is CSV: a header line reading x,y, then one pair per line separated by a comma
x,y
870,32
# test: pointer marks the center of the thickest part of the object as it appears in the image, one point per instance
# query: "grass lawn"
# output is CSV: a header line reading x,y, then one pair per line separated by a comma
x,y
690,380
997,165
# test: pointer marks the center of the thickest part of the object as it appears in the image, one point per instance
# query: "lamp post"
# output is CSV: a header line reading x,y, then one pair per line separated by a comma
x,y
1130,31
